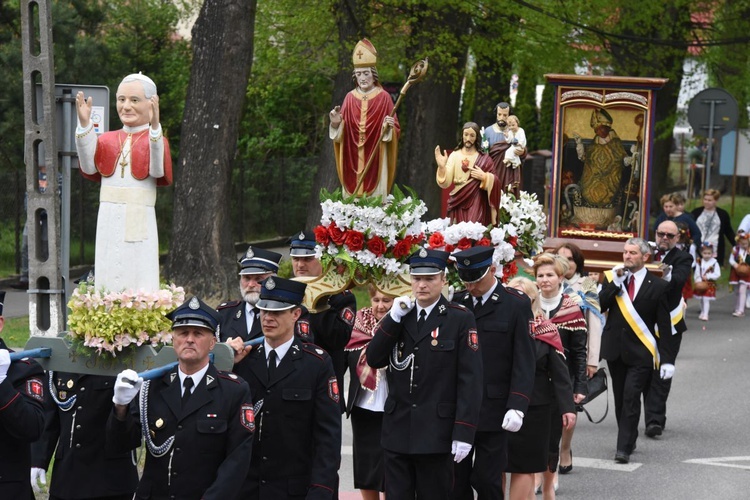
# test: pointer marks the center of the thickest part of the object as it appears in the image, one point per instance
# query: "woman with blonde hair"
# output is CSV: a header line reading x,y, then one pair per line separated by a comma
x,y
567,315
528,448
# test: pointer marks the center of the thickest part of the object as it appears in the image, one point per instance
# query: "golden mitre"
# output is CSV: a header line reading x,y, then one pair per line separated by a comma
x,y
364,55
600,117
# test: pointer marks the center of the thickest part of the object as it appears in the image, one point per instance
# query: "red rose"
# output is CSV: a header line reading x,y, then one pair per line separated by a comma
x,y
436,240
402,249
484,242
464,243
513,241
509,270
355,240
449,248
417,240
321,235
337,235
376,246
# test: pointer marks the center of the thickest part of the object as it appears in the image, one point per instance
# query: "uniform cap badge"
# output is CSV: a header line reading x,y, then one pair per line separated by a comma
x,y
194,304
423,253
249,254
270,284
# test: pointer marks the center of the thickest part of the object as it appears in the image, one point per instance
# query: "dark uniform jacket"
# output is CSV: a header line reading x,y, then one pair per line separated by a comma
x,y
22,396
436,399
234,321
682,267
507,351
297,449
331,330
77,429
213,437
552,382
619,339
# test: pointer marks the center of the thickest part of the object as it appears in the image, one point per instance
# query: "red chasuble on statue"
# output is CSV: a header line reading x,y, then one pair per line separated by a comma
x,y
363,116
472,203
109,146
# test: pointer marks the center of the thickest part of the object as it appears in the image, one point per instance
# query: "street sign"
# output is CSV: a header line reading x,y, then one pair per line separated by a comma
x,y
713,110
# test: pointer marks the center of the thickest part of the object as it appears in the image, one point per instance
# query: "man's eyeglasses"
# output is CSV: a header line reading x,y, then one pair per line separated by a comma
x,y
668,236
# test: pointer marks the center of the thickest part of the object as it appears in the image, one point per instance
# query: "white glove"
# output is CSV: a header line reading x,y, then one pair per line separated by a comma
x,y
666,273
667,371
401,306
460,450
513,420
38,476
4,364
125,392
618,280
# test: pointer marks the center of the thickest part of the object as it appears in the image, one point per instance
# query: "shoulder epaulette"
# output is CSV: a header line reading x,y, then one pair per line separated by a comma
x,y
229,376
514,292
231,303
314,350
456,305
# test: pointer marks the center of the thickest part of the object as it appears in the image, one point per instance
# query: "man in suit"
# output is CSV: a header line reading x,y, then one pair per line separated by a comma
x,y
241,318
434,383
197,422
297,449
502,315
637,304
22,397
677,265
330,328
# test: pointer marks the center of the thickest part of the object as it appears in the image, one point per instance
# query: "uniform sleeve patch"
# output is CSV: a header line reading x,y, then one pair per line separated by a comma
x,y
347,315
303,329
35,389
247,417
473,339
333,389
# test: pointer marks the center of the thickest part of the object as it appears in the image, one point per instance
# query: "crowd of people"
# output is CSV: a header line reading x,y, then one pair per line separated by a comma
x,y
446,398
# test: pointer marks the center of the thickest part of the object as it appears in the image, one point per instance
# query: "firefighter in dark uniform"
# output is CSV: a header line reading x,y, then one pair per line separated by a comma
x,y
331,328
76,412
22,397
434,383
241,318
297,449
197,422
502,315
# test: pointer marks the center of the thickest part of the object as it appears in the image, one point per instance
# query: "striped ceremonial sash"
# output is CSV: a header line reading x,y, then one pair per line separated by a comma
x,y
636,322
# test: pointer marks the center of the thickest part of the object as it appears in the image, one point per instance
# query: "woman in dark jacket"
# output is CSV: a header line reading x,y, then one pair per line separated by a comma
x,y
714,223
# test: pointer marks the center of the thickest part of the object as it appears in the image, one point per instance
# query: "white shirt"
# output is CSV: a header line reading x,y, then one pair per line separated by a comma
x,y
280,351
197,377
428,309
251,318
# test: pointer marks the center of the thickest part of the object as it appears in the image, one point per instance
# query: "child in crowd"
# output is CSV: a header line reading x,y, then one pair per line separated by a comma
x,y
515,136
740,275
707,271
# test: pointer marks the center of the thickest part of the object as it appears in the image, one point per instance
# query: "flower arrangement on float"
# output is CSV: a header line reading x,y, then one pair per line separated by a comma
x,y
520,230
368,236
113,323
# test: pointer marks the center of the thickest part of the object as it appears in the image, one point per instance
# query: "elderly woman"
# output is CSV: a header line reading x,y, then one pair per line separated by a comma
x,y
368,391
583,290
567,315
528,448
714,223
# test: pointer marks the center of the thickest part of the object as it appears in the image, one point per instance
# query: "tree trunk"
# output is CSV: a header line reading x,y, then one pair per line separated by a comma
x,y
431,107
351,18
202,257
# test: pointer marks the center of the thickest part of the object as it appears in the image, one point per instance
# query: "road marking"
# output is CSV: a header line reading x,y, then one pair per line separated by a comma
x,y
597,463
721,462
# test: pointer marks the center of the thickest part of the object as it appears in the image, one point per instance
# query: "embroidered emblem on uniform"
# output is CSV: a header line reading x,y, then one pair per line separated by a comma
x,y
270,284
194,304
473,339
303,329
239,314
333,389
249,254
423,253
35,389
247,417
434,334
159,423
348,316
63,395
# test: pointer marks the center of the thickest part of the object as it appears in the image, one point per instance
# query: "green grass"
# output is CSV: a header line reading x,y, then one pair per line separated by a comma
x,y
16,332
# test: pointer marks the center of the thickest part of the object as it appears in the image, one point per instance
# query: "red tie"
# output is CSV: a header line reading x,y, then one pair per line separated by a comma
x,y
631,287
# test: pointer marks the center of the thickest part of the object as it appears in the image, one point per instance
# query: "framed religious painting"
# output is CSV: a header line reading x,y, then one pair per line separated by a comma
x,y
601,162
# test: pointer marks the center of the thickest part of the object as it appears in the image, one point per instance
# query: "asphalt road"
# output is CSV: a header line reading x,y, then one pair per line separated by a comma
x,y
704,452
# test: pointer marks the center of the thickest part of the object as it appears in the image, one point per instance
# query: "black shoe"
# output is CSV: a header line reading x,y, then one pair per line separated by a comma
x,y
653,430
564,469
621,457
